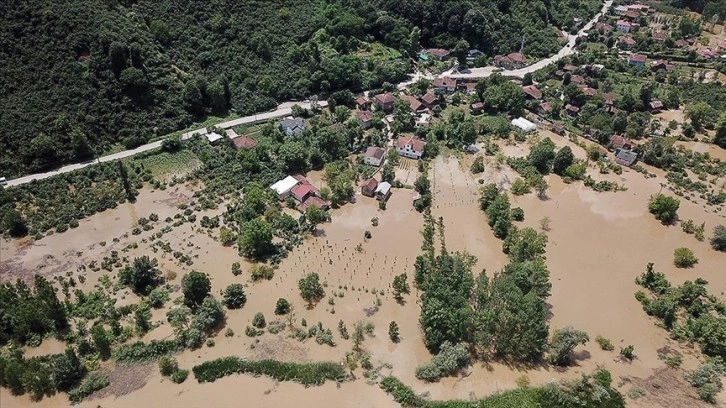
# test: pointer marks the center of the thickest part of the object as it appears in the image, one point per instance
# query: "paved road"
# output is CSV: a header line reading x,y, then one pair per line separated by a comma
x,y
285,108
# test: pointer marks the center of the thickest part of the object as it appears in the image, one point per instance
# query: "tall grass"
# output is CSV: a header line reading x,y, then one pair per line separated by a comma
x,y
92,383
141,352
304,373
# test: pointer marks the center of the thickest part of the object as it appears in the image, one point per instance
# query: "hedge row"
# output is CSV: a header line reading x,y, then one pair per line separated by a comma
x,y
304,373
141,352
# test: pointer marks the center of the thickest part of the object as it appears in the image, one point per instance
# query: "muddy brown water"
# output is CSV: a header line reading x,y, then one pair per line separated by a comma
x,y
598,244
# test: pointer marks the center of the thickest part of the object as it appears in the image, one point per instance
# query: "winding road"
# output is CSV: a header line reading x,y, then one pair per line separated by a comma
x,y
285,108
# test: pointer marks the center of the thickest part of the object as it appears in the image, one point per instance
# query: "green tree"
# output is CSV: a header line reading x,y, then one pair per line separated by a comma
x,y
195,287
310,288
142,318
259,320
234,296
663,207
563,159
542,155
142,275
700,114
563,343
718,241
255,240
387,173
393,332
101,341
14,223
720,137
282,306
400,286
316,215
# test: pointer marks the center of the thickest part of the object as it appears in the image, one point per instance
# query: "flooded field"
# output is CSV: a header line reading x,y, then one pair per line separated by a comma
x,y
598,244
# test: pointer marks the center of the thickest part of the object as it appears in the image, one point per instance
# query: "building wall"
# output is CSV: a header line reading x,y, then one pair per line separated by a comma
x,y
409,153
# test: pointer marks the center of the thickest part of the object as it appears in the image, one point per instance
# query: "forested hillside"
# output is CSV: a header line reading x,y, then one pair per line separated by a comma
x,y
79,75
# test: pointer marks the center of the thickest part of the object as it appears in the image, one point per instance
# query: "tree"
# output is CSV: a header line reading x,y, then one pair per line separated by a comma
x,y
563,343
393,332
720,137
663,208
718,241
178,318
234,296
527,79
14,223
460,52
563,159
195,287
400,286
101,341
282,306
541,155
310,288
316,215
699,113
684,258
259,320
142,275
142,318
255,240
226,236
387,173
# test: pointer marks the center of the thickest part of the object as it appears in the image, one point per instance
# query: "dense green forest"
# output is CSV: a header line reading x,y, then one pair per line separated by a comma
x,y
80,75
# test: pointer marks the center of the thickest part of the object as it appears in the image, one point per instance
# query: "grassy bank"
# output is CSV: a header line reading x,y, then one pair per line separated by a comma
x,y
304,373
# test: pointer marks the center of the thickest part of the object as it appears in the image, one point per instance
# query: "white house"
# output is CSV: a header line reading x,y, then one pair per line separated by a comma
x,y
623,26
292,126
374,156
524,124
213,137
284,186
383,191
410,147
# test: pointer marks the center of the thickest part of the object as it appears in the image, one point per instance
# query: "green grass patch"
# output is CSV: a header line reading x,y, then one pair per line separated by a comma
x,y
141,352
164,165
304,373
378,52
92,383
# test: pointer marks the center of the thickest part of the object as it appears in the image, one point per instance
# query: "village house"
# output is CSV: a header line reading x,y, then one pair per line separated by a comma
x,y
625,157
437,53
620,10
213,137
544,108
637,60
627,41
722,45
707,54
572,110
609,98
409,146
612,110
577,79
532,92
445,85
632,14
659,36
510,61
559,129
660,64
374,156
368,188
559,74
623,26
299,188
384,101
430,100
292,126
681,43
569,68
365,119
473,53
656,106
604,28
621,142
415,104
589,92
476,108
468,88
383,191
362,103
244,142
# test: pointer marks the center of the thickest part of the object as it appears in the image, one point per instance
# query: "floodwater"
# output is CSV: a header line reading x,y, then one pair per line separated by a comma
x,y
598,244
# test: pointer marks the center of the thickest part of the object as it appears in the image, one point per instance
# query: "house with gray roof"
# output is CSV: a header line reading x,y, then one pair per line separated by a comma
x,y
292,126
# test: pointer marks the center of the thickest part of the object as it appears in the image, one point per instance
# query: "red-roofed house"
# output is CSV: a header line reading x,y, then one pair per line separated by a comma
x,y
604,28
620,142
659,36
682,43
445,85
438,53
558,128
244,142
656,106
510,61
532,92
365,119
374,156
368,188
572,110
362,103
623,26
587,90
609,98
722,45
303,191
476,108
637,60
385,101
430,100
632,14
627,41
577,79
416,105
410,147
569,68
544,108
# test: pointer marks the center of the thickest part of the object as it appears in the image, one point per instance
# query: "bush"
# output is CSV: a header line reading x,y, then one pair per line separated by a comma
x,y
627,352
282,306
167,366
520,187
449,359
259,320
304,373
236,269
563,343
478,165
179,376
393,332
517,214
93,382
718,241
195,286
234,296
684,258
259,272
663,207
158,297
141,352
604,343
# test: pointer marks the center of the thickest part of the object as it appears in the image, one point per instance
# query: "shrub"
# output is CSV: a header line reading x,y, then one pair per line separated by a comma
x,y
517,214
520,187
234,296
158,297
259,320
141,276
718,241
707,379
563,343
167,365
195,286
179,376
627,352
367,234
684,258
236,269
393,332
229,333
141,352
449,359
92,383
304,373
604,343
478,165
259,272
282,306
663,207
